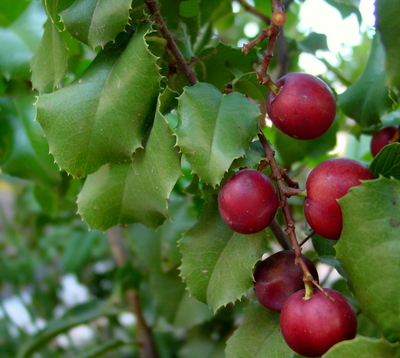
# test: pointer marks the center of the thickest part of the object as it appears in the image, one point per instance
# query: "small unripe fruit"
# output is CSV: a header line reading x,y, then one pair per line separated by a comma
x,y
248,201
278,276
304,108
327,182
311,327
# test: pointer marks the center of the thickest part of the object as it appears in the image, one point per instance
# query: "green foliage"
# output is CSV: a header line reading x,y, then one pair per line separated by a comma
x,y
102,132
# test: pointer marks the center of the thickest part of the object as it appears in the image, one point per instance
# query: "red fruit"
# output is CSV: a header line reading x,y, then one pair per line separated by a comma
x,y
304,108
248,201
311,327
381,138
327,182
277,277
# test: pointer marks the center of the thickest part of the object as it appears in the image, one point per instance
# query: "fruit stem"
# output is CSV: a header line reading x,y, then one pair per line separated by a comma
x,y
290,228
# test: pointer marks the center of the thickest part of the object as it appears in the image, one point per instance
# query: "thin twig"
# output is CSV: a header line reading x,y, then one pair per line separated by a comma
x,y
173,48
254,11
146,345
280,235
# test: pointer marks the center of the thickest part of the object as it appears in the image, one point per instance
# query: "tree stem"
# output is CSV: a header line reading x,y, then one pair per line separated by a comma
x,y
147,348
172,46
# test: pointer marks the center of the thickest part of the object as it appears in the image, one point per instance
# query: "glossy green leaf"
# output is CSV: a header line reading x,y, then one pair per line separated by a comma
x,y
369,250
387,162
368,98
96,22
388,13
134,191
364,347
24,151
214,129
217,263
49,64
80,314
258,336
101,116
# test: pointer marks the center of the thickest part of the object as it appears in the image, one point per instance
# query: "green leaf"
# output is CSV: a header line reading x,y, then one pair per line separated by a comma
x,y
369,250
364,347
49,64
96,22
172,301
135,191
217,263
258,336
189,8
248,85
24,152
347,8
75,316
292,150
388,13
221,64
387,162
214,129
100,118
10,10
314,42
104,348
368,98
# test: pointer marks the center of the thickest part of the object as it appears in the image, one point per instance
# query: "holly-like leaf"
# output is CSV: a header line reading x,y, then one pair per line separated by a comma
x,y
214,129
369,250
217,263
368,98
387,162
248,85
24,152
134,191
101,116
49,64
387,13
258,335
96,22
364,347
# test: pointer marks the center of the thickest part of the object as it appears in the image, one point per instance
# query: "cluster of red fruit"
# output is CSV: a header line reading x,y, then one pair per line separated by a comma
x,y
304,108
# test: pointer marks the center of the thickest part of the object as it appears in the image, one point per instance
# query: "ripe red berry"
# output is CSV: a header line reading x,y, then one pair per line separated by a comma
x,y
327,182
311,327
304,108
248,201
277,277
381,138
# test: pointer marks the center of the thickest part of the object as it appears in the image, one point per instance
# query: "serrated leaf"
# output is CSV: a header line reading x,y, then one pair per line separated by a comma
x,y
368,98
96,22
49,64
135,191
387,13
369,250
364,347
100,117
214,129
24,152
217,263
258,336
387,162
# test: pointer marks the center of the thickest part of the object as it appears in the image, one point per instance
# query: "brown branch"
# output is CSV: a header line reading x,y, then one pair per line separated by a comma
x,y
285,192
147,348
172,46
254,11
280,235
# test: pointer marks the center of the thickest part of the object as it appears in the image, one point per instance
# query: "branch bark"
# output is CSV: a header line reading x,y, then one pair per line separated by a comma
x,y
146,345
173,48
